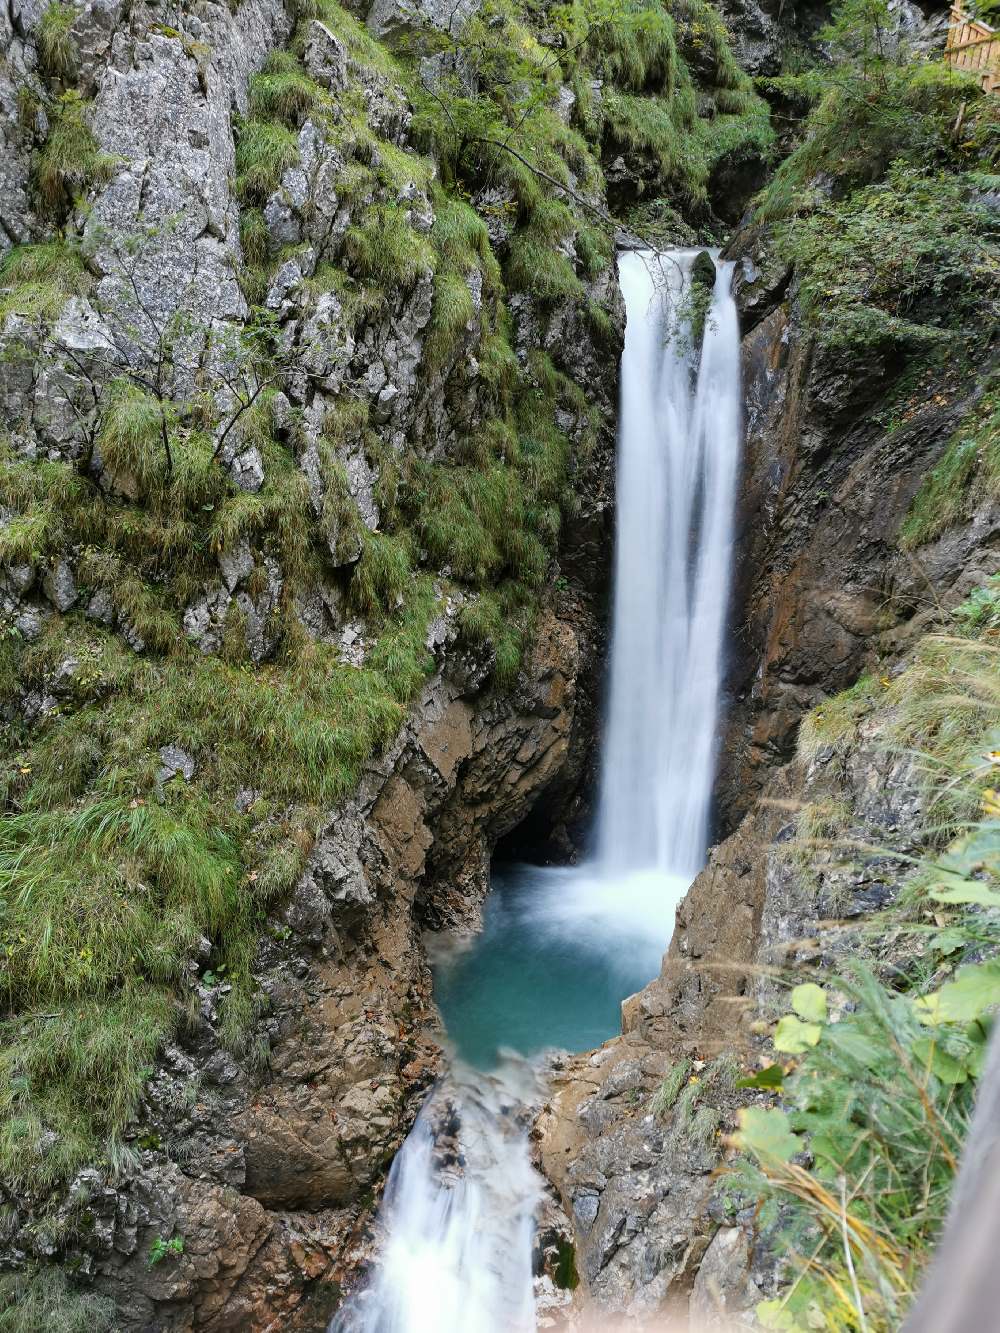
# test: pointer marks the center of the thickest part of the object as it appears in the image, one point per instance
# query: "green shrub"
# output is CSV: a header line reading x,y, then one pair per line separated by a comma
x,y
910,260
878,1070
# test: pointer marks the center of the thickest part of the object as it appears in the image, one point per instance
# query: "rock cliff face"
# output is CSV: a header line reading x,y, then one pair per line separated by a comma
x,y
260,1158
266,1178
834,459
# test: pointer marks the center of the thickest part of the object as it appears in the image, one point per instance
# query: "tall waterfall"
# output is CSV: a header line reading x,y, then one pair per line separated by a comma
x,y
462,1195
678,452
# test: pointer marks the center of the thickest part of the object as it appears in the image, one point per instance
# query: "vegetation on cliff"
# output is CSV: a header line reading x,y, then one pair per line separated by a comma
x,y
884,204
160,799
877,1068
886,207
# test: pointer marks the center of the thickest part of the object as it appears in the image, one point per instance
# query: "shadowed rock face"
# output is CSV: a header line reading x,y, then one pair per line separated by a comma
x,y
823,589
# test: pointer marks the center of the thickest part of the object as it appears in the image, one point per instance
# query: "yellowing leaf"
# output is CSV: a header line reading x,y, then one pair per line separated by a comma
x,y
809,1002
765,1133
975,989
793,1036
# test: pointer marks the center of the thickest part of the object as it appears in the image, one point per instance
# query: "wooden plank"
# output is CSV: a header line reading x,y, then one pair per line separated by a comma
x,y
980,41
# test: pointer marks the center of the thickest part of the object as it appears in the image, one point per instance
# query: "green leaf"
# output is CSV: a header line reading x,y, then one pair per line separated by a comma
x,y
794,1036
771,1077
773,1314
977,850
942,1065
809,1002
975,989
765,1133
965,891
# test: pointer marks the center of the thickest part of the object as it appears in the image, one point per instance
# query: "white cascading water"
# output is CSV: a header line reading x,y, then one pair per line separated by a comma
x,y
679,446
458,1217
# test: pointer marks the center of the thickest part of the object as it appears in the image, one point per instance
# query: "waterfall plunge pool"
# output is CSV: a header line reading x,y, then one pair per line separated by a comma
x,y
559,950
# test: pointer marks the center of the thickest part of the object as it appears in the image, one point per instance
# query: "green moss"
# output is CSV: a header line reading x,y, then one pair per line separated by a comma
x,y
56,46
967,473
565,1274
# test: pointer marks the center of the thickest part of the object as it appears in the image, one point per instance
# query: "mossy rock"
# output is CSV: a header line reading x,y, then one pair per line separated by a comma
x,y
703,271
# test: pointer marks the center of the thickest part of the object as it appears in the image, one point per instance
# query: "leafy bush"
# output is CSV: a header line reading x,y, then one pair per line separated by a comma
x,y
910,260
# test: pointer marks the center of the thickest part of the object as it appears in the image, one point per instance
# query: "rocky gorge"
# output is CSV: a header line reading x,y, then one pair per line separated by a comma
x,y
310,329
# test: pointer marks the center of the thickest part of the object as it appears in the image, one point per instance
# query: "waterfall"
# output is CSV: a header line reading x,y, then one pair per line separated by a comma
x,y
459,1216
678,451
459,1211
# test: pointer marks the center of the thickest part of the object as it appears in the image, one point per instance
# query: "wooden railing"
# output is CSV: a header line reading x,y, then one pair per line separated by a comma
x,y
974,46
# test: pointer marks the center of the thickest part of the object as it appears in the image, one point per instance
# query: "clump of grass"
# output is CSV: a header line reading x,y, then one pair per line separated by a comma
x,y
381,576
967,473
501,621
265,150
56,46
70,160
384,249
45,1301
37,280
667,1093
131,435
254,237
451,316
832,721
283,91
945,702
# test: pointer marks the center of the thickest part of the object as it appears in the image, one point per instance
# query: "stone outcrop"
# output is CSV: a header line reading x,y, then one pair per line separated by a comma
x,y
653,1232
824,590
